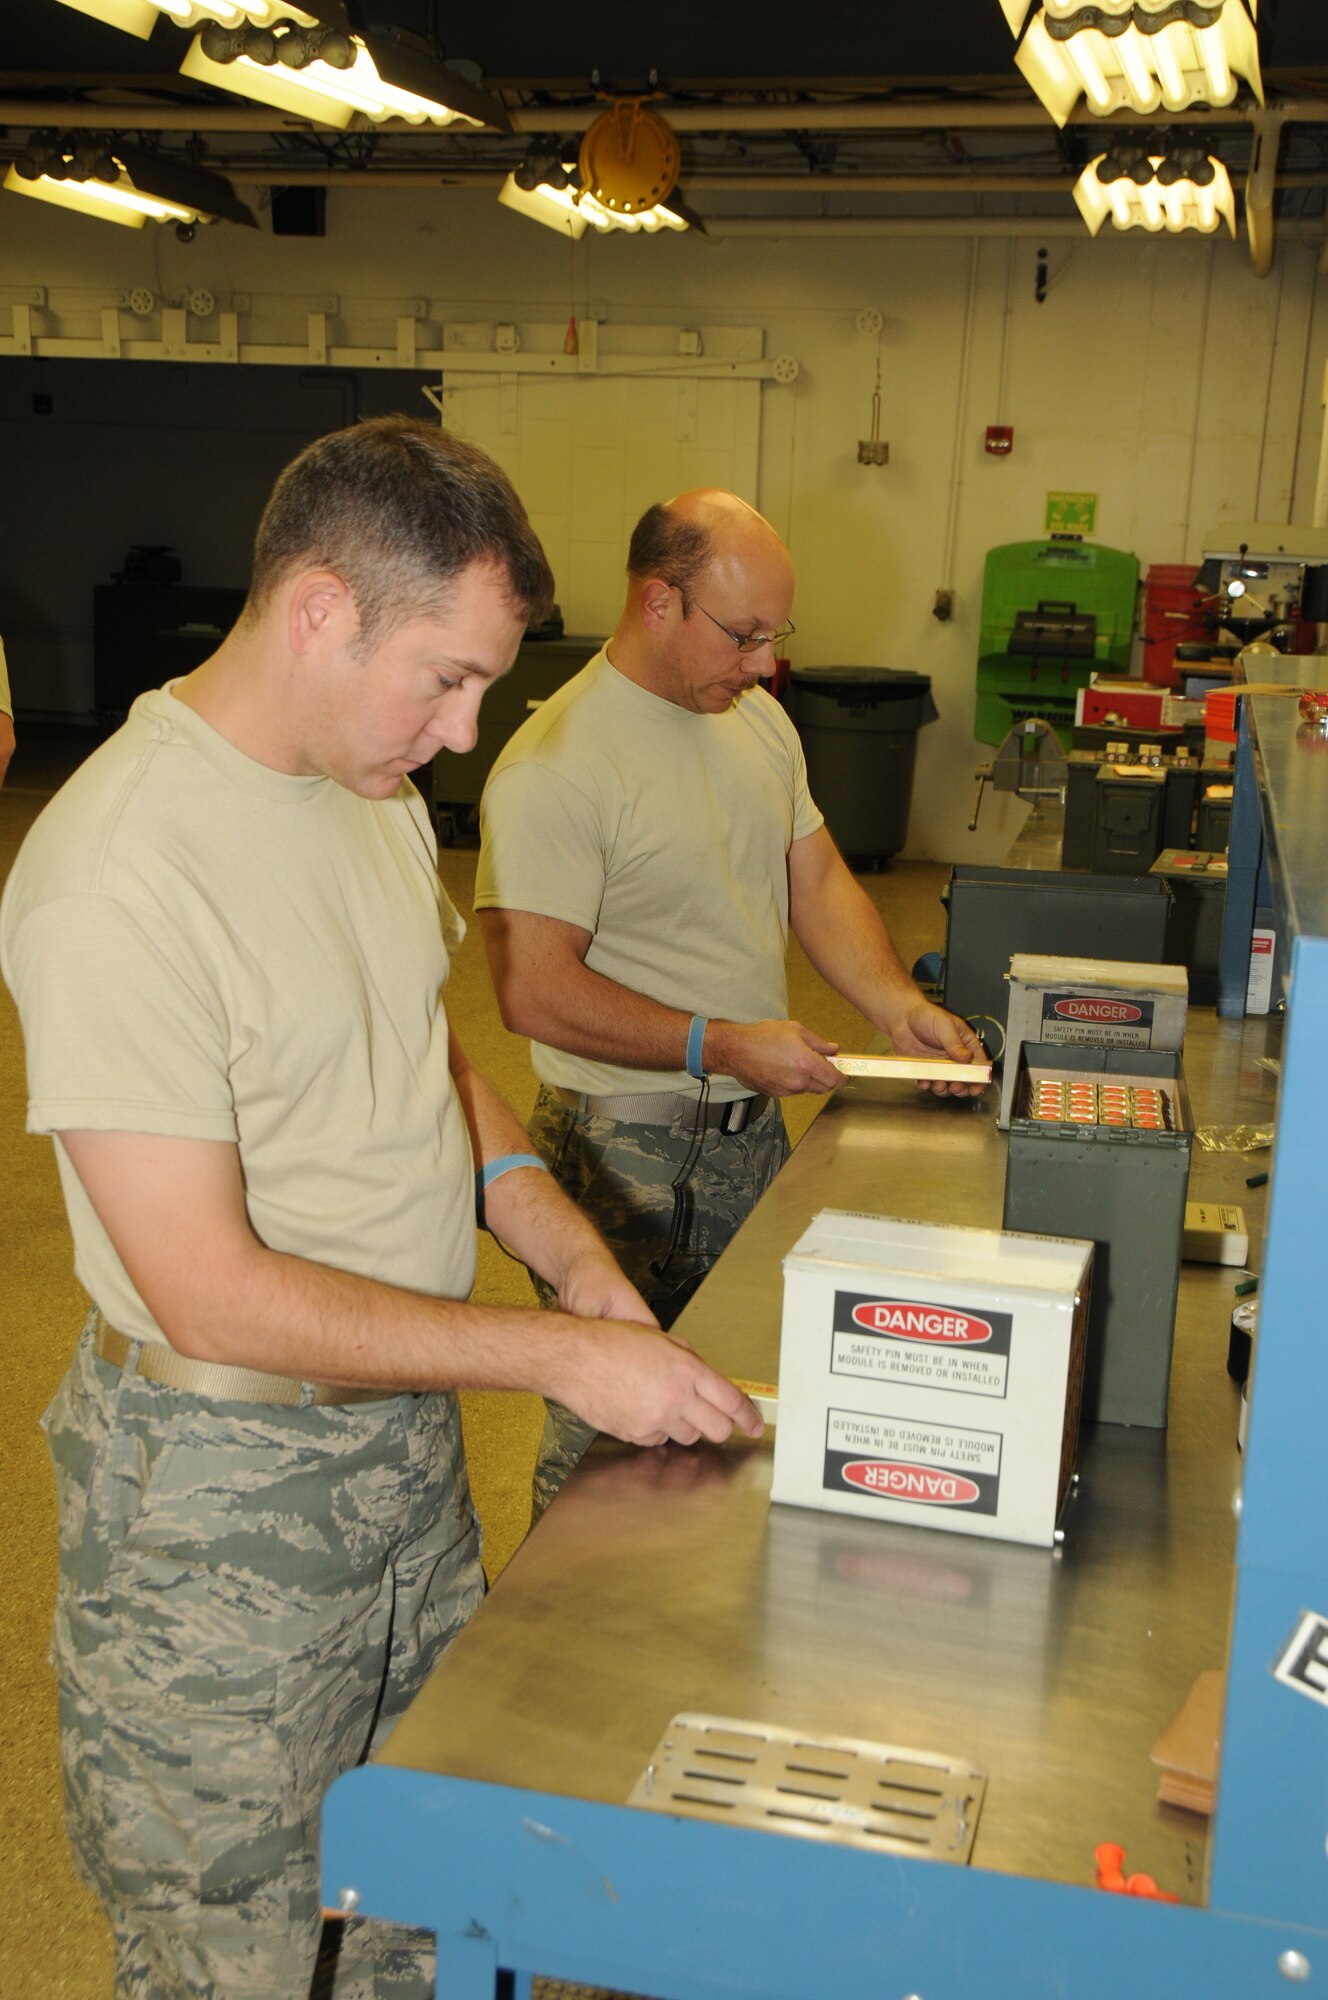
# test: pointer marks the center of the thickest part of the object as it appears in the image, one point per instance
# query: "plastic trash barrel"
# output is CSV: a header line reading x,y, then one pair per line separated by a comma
x,y
859,729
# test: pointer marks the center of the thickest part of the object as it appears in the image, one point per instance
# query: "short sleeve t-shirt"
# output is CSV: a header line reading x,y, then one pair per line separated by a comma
x,y
202,947
663,833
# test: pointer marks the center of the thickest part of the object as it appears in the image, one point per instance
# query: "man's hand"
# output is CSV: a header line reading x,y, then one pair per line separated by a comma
x,y
774,1058
594,1287
928,1030
647,1387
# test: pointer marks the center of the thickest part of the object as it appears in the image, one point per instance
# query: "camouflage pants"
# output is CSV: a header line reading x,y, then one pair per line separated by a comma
x,y
622,1175
249,1597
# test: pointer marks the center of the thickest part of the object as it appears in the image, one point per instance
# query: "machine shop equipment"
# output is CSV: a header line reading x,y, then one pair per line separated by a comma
x,y
1030,763
1273,597
1054,613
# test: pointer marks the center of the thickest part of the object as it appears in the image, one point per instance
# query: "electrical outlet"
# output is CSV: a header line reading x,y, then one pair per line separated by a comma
x,y
329,303
37,295
242,302
417,308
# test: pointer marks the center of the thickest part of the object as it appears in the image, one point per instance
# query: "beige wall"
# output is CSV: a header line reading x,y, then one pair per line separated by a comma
x,y
1158,373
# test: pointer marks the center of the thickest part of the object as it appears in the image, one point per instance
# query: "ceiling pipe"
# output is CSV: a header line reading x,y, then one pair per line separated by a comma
x,y
1321,483
276,173
915,115
823,226
1260,185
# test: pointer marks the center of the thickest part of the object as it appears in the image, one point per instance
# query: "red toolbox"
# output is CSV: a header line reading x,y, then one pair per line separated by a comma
x,y
1172,615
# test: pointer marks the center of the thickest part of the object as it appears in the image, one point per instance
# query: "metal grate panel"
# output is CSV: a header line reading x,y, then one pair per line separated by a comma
x,y
833,1788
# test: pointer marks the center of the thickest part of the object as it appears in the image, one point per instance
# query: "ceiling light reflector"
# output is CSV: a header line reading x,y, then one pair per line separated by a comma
x,y
1133,199
1127,53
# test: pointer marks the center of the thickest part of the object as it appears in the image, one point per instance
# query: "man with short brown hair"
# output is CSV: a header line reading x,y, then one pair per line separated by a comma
x,y
229,945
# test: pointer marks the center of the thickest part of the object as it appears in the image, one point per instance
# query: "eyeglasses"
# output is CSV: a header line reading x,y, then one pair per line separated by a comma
x,y
750,642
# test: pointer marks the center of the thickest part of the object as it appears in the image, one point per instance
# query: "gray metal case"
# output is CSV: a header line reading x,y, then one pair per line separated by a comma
x,y
1124,1190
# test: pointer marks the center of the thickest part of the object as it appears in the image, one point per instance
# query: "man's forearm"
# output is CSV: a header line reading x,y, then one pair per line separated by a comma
x,y
291,1316
842,934
316,1324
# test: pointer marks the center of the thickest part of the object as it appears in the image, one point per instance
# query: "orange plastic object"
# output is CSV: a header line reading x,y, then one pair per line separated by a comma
x,y
1111,1875
629,158
1220,715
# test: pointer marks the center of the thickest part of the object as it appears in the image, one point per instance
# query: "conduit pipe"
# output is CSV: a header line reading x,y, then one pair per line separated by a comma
x,y
914,115
276,172
1260,185
1043,228
1321,483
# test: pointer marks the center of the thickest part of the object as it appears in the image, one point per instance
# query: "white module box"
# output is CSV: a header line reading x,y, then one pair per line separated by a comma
x,y
931,1374
1107,1002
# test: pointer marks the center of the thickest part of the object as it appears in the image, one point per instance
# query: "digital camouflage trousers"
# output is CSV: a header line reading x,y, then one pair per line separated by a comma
x,y
249,1597
622,1174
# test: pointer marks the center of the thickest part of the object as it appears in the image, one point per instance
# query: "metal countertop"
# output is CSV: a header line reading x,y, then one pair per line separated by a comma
x,y
665,1581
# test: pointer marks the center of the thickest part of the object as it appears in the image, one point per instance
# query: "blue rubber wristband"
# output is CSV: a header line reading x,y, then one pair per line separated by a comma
x,y
493,1170
695,1043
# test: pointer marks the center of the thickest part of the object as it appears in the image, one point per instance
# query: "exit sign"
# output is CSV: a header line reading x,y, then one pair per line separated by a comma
x,y
1071,513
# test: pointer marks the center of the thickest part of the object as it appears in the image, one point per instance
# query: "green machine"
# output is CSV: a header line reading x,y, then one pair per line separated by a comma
x,y
1054,613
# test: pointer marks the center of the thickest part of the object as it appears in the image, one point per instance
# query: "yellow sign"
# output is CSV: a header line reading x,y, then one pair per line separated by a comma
x,y
1071,513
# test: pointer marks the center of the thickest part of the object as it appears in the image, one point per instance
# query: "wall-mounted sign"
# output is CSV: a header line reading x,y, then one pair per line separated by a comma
x,y
1071,513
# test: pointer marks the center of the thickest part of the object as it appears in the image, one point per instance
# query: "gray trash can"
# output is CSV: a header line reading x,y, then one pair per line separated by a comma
x,y
859,729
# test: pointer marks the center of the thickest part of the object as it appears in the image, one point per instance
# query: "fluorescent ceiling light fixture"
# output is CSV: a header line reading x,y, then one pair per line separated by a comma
x,y
318,69
230,13
1154,194
140,17
556,208
117,202
136,17
125,184
572,212
1148,55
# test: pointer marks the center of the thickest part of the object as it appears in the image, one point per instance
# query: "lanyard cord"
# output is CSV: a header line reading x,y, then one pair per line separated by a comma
x,y
661,1264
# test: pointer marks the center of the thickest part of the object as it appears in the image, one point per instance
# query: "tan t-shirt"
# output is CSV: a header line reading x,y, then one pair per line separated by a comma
x,y
666,835
205,948
6,700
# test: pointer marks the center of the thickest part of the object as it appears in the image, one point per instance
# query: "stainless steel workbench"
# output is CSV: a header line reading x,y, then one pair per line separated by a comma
x,y
662,1582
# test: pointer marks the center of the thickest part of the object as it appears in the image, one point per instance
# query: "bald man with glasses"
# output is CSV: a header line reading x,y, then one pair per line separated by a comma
x,y
648,841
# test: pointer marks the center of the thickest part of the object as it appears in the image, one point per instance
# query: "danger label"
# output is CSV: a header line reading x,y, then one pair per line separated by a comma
x,y
925,1343
929,1466
1094,1017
